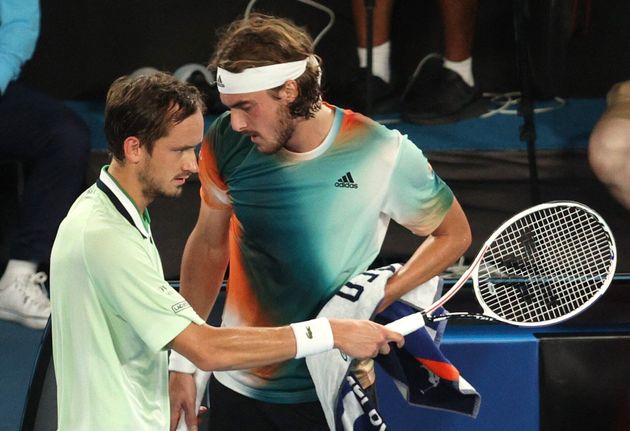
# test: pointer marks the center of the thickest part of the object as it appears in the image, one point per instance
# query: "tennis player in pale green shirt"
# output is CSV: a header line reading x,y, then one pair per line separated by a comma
x,y
114,317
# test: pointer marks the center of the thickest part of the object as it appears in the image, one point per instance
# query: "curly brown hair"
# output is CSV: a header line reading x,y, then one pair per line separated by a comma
x,y
263,40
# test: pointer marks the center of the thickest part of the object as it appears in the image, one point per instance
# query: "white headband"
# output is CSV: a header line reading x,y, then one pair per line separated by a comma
x,y
259,78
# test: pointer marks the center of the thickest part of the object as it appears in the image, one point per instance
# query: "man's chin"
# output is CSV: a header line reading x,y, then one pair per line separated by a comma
x,y
175,193
268,149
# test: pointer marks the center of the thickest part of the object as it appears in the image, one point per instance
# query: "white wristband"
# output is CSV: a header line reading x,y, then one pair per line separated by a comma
x,y
180,364
312,336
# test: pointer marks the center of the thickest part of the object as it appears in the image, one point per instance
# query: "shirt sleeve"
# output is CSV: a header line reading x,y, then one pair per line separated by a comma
x,y
129,285
19,29
417,197
213,191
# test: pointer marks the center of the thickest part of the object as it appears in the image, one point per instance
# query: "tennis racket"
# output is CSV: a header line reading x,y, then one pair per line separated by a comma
x,y
542,266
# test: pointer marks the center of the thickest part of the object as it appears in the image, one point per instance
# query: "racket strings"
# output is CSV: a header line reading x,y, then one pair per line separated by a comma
x,y
566,282
545,265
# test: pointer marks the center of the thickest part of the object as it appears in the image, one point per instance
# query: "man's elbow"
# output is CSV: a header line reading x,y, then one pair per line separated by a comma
x,y
209,356
464,233
465,239
207,361
456,225
206,365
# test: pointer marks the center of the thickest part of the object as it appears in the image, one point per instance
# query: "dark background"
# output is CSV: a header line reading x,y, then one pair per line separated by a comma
x,y
579,47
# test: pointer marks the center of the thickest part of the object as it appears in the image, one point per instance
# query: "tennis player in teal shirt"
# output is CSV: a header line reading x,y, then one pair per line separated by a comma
x,y
114,317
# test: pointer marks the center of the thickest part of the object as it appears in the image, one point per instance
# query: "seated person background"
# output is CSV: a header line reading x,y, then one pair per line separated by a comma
x,y
52,144
451,95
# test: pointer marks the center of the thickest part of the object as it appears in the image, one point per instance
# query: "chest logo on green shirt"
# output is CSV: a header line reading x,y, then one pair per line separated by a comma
x,y
347,182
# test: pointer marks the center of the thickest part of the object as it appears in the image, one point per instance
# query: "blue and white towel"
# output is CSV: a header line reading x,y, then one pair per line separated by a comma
x,y
421,372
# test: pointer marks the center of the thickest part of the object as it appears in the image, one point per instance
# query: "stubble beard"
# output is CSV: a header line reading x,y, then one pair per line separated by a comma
x,y
284,131
151,189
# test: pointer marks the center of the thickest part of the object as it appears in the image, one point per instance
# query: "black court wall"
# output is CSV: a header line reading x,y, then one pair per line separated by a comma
x,y
85,44
585,382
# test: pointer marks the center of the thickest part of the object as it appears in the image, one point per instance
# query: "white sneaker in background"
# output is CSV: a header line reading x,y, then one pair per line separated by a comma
x,y
25,301
456,270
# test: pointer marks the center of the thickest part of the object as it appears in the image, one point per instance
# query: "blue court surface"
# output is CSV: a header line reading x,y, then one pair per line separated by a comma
x,y
19,351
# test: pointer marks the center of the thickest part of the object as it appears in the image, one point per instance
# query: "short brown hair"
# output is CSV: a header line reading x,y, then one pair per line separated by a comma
x,y
262,40
147,107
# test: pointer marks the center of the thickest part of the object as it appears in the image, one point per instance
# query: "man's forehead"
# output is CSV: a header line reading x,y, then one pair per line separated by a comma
x,y
237,100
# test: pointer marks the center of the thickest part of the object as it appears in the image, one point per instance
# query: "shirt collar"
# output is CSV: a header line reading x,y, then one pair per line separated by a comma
x,y
123,203
321,148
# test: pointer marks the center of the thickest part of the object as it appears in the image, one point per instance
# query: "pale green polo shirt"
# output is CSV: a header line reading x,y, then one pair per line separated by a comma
x,y
113,316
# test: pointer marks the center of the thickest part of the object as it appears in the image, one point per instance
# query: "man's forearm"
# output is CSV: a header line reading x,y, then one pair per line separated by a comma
x,y
447,243
203,270
213,349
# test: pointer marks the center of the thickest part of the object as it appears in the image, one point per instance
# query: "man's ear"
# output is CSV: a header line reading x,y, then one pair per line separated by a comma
x,y
133,149
290,91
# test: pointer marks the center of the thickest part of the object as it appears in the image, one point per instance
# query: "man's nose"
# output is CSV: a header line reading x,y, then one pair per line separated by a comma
x,y
237,121
190,163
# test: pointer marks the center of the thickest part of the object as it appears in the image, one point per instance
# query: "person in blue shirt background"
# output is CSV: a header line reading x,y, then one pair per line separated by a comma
x,y
52,144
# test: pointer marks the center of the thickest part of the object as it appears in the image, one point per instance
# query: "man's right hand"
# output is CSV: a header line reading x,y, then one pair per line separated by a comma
x,y
182,394
363,339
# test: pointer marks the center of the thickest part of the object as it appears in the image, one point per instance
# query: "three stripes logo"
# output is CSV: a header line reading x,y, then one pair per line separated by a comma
x,y
347,182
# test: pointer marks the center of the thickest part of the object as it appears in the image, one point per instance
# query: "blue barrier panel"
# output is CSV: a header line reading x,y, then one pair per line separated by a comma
x,y
501,362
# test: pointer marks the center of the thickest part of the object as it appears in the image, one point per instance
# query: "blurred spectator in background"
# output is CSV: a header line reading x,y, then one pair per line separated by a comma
x,y
52,145
609,144
451,95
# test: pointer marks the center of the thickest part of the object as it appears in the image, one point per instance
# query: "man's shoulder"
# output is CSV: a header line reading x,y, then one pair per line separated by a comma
x,y
93,216
367,135
221,129
222,138
228,148
358,124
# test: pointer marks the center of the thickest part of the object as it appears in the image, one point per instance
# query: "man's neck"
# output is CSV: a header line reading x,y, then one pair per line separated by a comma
x,y
310,133
127,178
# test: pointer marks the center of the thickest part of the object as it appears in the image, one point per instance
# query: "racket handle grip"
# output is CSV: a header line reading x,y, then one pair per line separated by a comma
x,y
408,324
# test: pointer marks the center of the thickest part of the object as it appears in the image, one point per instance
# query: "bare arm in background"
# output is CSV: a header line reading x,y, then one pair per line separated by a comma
x,y
609,144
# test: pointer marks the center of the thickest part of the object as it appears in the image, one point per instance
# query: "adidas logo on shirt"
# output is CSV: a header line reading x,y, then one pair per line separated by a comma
x,y
347,182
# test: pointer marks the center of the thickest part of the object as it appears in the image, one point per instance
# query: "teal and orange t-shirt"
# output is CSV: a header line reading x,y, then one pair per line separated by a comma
x,y
305,223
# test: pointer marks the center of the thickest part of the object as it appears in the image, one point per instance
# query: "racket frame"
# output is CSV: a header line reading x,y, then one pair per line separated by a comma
x,y
473,272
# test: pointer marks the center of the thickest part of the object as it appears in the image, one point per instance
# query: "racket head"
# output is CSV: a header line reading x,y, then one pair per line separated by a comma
x,y
545,265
